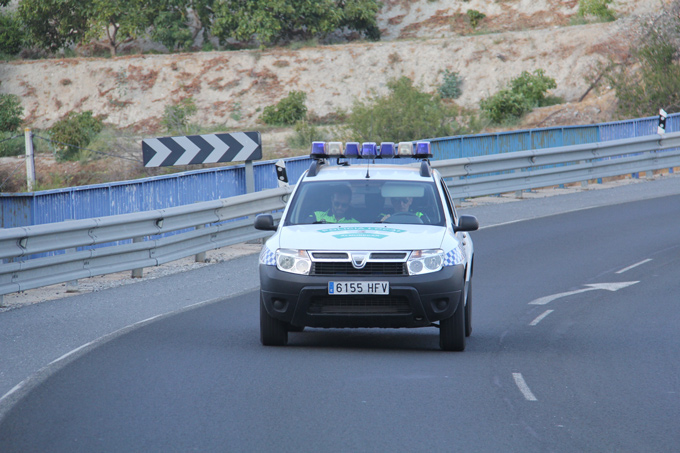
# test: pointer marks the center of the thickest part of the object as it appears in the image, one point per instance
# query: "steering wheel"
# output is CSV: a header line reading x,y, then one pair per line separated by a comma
x,y
404,217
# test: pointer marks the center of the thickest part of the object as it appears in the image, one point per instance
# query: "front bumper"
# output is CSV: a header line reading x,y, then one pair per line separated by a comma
x,y
413,301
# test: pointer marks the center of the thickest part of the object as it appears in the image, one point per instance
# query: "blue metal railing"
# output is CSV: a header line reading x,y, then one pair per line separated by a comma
x,y
209,184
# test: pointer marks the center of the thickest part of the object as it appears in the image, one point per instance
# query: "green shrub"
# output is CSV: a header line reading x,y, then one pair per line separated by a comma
x,y
289,110
11,34
523,93
305,134
176,117
405,113
11,112
73,132
598,8
13,147
533,86
475,17
451,86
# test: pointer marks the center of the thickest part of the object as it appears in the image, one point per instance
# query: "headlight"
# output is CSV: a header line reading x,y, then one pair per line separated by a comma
x,y
293,261
425,261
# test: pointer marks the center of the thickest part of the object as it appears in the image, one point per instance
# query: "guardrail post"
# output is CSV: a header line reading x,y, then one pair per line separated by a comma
x,y
200,257
137,273
30,160
250,177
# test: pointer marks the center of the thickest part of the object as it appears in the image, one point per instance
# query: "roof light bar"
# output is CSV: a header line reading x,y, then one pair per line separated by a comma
x,y
335,149
423,150
405,149
352,149
369,149
318,150
387,149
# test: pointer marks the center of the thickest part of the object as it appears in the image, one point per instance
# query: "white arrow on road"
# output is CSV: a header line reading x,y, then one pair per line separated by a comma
x,y
592,287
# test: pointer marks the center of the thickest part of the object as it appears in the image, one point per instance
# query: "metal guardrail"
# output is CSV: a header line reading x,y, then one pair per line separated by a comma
x,y
209,225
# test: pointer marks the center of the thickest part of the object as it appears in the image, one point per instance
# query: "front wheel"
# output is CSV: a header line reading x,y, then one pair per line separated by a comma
x,y
273,332
452,330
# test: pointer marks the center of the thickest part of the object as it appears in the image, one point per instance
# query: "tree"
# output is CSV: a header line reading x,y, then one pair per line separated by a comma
x,y
11,113
11,33
119,21
405,113
271,21
54,24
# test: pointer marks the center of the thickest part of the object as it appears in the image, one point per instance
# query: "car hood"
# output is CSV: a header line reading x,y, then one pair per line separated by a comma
x,y
361,237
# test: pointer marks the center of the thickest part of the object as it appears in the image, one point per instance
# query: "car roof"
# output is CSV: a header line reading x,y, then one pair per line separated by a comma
x,y
407,172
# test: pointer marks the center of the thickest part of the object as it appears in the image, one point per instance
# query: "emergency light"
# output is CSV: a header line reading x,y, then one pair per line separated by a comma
x,y
370,150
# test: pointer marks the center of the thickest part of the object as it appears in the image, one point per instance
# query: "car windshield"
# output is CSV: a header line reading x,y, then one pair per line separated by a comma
x,y
360,201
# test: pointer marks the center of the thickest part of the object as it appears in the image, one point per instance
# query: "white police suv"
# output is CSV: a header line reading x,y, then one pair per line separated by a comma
x,y
367,244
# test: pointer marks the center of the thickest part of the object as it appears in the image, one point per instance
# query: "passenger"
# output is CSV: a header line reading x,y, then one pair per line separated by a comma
x,y
341,197
402,204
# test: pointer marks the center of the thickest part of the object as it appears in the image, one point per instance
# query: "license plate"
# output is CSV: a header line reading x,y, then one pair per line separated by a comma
x,y
335,288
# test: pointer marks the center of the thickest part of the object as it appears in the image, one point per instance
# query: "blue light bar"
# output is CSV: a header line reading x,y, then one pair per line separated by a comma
x,y
352,149
318,150
423,150
387,149
369,149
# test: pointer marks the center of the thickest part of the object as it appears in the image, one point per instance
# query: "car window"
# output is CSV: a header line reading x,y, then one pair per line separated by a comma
x,y
368,202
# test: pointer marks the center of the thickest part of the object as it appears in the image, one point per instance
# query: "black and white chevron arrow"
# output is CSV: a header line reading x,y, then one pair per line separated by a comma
x,y
202,149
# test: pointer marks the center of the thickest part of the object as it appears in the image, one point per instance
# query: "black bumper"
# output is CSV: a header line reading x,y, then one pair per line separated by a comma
x,y
413,301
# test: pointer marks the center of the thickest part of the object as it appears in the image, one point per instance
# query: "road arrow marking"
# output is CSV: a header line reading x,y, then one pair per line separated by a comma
x,y
592,287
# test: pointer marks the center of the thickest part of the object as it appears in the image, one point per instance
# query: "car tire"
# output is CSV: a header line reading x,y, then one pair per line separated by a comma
x,y
468,311
452,330
273,332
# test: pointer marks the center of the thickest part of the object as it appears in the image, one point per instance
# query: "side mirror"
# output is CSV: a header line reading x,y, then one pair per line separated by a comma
x,y
265,222
467,223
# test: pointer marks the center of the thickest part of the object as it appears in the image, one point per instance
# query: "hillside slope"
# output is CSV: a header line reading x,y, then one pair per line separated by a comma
x,y
421,39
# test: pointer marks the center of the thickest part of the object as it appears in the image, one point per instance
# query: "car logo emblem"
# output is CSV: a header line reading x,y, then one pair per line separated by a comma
x,y
358,261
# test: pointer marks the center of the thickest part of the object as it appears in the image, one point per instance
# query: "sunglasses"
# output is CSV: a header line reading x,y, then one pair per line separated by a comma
x,y
401,200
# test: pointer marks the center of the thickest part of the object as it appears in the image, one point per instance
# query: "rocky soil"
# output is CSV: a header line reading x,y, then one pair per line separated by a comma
x,y
421,39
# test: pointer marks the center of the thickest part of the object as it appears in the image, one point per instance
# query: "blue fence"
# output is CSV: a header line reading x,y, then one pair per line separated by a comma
x,y
210,184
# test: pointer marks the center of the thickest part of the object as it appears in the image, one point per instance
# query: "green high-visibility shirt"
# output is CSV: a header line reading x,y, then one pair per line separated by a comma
x,y
326,216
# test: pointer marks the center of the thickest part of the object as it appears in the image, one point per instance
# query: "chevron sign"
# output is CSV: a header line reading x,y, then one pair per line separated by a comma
x,y
202,149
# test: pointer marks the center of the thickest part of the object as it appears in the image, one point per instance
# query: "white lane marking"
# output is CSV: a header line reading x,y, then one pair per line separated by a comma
x,y
634,266
113,334
14,389
591,287
523,387
540,317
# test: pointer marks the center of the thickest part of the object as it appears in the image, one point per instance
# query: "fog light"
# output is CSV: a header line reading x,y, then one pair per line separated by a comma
x,y
440,304
279,304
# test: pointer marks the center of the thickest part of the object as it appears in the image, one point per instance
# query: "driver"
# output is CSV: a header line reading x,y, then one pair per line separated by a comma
x,y
341,198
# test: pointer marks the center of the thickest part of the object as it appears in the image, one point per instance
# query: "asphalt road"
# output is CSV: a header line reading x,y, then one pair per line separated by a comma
x,y
560,359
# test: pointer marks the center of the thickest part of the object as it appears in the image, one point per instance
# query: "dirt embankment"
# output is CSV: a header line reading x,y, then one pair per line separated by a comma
x,y
421,39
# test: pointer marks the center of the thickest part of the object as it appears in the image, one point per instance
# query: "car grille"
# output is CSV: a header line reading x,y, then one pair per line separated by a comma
x,y
358,305
346,268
